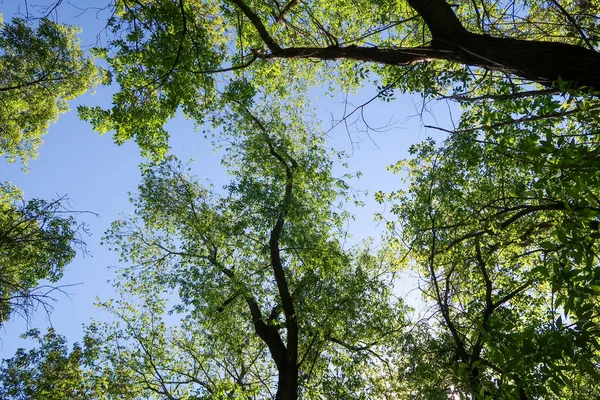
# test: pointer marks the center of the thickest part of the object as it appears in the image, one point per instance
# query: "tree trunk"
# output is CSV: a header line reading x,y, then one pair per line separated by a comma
x,y
287,383
542,62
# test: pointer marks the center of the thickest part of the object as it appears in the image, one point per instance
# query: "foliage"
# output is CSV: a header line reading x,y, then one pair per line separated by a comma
x,y
168,55
43,372
238,263
37,239
43,68
503,225
52,372
500,222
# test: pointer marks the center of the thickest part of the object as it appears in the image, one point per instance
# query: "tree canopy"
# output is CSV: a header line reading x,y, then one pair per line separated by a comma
x,y
37,239
47,372
506,240
43,68
168,54
271,302
252,291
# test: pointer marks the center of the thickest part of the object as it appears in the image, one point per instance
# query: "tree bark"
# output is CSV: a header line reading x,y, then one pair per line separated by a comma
x,y
287,382
542,62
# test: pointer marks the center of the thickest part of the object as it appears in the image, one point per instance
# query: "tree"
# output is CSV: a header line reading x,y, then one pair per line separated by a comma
x,y
52,372
501,221
37,239
270,303
504,230
427,46
449,40
43,68
41,373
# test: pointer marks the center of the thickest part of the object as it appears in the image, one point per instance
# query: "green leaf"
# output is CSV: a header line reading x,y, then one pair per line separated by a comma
x,y
547,245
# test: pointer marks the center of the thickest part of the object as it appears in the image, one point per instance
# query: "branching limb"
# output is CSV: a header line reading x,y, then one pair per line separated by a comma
x,y
258,25
286,9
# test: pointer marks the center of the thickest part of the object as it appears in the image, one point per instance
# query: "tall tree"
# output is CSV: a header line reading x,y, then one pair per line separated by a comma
x,y
504,229
526,77
272,305
501,221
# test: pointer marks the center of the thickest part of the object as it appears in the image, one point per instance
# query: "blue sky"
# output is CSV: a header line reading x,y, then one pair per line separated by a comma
x,y
97,175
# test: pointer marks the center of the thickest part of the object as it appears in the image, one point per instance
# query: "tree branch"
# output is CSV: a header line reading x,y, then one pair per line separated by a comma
x,y
258,25
438,16
286,9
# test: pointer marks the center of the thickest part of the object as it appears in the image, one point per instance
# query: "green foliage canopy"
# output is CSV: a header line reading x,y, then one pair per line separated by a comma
x,y
43,69
501,221
37,239
503,226
270,302
191,55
